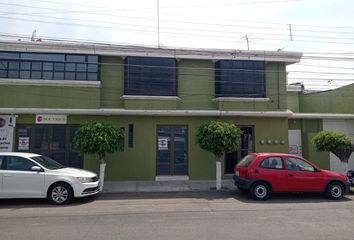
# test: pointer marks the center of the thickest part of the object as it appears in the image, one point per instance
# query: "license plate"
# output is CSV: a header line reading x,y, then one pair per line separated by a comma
x,y
237,173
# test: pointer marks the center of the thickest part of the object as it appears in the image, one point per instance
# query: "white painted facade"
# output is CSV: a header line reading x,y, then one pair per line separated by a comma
x,y
347,127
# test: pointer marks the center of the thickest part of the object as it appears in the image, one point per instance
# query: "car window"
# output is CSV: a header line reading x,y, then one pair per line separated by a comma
x,y
247,160
47,162
272,163
18,164
296,164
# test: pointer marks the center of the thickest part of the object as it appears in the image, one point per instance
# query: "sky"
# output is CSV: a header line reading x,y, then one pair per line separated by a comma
x,y
323,30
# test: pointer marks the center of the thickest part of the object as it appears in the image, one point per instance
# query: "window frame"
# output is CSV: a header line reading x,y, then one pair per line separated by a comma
x,y
54,72
142,87
237,78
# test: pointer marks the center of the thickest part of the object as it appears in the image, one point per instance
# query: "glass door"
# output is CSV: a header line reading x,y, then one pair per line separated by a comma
x,y
54,141
172,150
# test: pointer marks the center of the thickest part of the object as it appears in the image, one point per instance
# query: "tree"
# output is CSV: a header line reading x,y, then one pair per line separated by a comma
x,y
102,139
337,143
218,138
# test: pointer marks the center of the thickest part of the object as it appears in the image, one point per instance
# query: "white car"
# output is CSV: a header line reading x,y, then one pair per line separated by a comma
x,y
28,175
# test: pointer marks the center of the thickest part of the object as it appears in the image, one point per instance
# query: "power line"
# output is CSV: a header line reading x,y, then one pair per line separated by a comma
x,y
167,32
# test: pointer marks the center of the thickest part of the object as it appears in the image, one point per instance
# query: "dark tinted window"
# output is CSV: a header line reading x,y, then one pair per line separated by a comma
x,y
246,161
150,76
49,66
239,79
18,164
272,163
296,164
47,162
2,159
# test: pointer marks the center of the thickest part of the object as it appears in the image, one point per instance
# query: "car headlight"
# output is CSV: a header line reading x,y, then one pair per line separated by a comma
x,y
85,179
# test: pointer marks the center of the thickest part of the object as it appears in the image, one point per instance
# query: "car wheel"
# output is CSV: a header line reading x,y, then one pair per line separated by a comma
x,y
335,191
60,193
260,191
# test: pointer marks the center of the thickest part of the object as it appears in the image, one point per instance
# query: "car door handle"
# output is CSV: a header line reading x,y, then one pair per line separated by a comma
x,y
290,174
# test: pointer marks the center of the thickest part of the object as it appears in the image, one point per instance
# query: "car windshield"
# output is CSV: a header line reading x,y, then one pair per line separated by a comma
x,y
246,161
47,162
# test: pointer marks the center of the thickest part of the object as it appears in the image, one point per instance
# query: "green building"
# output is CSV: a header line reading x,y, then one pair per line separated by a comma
x,y
158,96
330,110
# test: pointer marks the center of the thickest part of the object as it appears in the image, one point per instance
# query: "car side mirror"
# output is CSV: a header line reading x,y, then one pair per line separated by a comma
x,y
36,169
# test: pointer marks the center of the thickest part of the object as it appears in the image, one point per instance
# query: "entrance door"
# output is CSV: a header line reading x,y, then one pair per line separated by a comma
x,y
172,150
54,141
295,142
246,147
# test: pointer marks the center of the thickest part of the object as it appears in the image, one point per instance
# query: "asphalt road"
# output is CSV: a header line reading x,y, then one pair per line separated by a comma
x,y
185,215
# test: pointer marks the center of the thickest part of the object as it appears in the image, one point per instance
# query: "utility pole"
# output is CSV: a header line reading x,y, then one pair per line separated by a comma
x,y
158,23
248,44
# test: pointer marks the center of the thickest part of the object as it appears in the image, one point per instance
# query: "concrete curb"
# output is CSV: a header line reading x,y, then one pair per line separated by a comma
x,y
164,186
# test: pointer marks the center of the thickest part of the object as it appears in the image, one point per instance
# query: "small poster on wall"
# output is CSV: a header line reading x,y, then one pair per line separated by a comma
x,y
163,143
23,143
7,124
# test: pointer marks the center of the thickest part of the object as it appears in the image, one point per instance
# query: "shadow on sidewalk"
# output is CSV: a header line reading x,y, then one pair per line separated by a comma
x,y
224,194
233,195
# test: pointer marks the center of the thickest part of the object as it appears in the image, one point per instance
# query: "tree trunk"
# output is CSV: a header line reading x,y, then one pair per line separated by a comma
x,y
344,156
218,172
102,172
344,167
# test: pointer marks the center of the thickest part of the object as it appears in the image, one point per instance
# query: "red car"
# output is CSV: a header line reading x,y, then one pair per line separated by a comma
x,y
264,173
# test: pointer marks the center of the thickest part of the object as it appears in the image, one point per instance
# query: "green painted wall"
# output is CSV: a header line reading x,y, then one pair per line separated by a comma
x,y
276,85
112,82
321,159
242,106
139,162
196,88
49,97
295,123
196,84
311,125
143,104
293,101
335,101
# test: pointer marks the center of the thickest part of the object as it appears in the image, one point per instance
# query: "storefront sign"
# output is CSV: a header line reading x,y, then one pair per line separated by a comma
x,y
7,124
51,119
23,143
163,143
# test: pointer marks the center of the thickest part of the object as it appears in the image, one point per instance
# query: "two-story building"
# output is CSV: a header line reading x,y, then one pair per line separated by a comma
x,y
158,96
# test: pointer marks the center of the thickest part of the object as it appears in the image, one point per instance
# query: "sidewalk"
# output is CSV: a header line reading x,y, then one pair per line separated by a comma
x,y
164,186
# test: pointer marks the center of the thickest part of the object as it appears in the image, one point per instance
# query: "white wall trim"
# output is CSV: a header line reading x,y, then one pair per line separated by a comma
x,y
140,97
321,116
240,99
126,50
54,83
125,112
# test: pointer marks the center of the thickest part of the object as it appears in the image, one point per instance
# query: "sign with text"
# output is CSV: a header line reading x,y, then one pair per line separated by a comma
x,y
163,143
51,119
23,143
7,124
